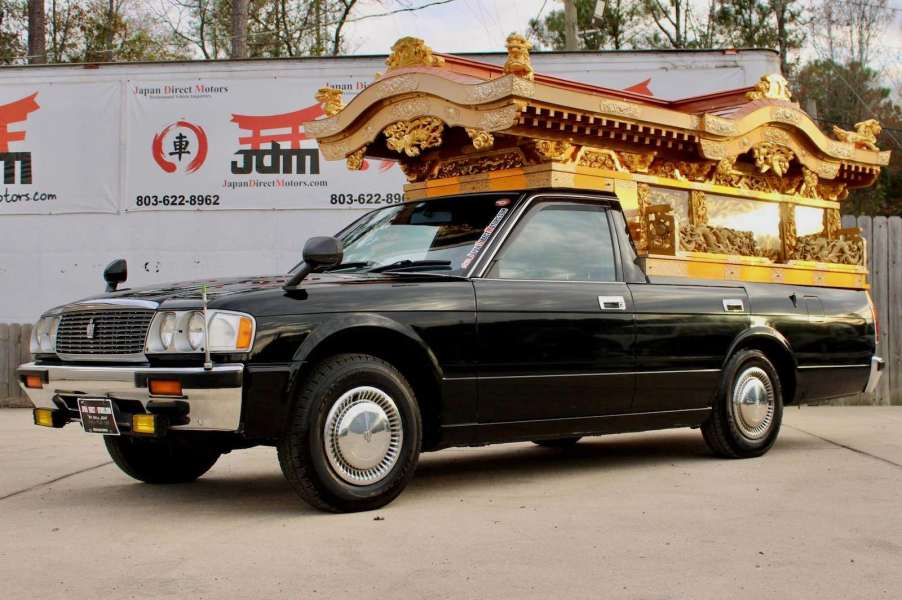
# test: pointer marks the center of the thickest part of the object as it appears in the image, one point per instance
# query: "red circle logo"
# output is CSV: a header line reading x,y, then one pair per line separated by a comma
x,y
181,146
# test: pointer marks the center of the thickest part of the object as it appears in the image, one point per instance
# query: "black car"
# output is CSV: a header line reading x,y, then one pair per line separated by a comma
x,y
457,321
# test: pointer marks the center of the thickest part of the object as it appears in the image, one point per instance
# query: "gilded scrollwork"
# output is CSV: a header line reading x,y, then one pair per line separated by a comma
x,y
636,162
832,190
810,181
518,62
474,165
392,86
772,87
500,118
698,208
719,125
354,160
660,230
412,137
832,222
682,170
331,99
600,158
788,235
772,157
550,150
482,140
617,108
412,52
845,249
717,240
865,134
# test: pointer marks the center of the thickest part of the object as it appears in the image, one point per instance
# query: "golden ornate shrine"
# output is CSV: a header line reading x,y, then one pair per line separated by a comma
x,y
737,185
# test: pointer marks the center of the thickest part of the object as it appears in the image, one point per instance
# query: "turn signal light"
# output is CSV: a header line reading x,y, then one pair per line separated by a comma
x,y
245,330
34,382
144,424
43,417
165,387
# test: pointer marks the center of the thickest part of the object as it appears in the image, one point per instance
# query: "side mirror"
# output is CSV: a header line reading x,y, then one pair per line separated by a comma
x,y
319,253
115,273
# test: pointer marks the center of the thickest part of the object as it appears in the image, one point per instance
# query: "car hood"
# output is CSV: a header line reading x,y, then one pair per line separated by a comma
x,y
189,294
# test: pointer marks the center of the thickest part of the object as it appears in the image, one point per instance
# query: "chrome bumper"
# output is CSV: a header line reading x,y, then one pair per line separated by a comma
x,y
213,396
877,365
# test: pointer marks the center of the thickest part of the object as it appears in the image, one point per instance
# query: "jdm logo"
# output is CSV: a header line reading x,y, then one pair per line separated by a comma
x,y
181,146
15,112
266,135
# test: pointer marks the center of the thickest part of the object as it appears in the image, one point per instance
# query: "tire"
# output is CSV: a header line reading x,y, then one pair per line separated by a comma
x,y
738,429
566,442
340,453
160,460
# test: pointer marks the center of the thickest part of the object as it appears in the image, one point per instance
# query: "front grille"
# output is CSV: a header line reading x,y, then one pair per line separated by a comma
x,y
103,332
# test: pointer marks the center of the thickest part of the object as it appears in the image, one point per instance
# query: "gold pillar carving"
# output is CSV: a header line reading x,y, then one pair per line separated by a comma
x,y
832,223
354,160
698,209
788,235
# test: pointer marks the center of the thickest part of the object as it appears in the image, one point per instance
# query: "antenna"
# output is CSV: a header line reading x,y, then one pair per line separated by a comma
x,y
208,362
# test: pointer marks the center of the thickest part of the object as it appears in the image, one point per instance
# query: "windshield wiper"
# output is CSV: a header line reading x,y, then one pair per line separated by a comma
x,y
411,265
349,265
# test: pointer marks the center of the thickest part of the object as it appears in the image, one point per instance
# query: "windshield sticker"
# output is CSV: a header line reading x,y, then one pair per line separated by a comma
x,y
481,242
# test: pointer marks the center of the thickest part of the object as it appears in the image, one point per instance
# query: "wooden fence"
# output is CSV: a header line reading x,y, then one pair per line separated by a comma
x,y
884,244
14,342
884,236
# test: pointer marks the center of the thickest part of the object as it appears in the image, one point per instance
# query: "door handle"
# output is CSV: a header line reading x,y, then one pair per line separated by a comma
x,y
733,305
611,303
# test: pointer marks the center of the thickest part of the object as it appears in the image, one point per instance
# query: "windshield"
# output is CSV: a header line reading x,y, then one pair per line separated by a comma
x,y
443,235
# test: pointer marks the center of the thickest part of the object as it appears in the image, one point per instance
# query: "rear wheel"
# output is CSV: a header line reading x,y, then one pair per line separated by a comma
x,y
354,439
160,460
748,411
566,442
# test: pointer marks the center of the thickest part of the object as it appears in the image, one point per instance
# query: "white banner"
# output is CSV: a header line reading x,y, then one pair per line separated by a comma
x,y
239,144
59,146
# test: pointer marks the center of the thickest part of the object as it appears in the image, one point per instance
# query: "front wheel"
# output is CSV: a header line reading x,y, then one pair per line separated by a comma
x,y
748,410
354,438
165,460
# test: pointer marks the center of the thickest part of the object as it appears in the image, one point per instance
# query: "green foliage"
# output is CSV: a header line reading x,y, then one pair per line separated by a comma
x,y
616,29
843,95
13,22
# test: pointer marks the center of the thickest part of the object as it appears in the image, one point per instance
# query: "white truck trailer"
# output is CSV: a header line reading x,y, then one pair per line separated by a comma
x,y
194,169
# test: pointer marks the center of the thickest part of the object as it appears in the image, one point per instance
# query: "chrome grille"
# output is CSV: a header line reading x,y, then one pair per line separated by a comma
x,y
112,332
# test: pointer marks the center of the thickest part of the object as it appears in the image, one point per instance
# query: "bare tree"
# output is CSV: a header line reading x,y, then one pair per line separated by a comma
x,y
37,35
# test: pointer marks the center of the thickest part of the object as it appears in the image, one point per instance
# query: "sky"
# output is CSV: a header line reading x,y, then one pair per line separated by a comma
x,y
459,26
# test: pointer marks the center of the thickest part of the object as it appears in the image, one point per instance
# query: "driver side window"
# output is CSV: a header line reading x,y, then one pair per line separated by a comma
x,y
559,242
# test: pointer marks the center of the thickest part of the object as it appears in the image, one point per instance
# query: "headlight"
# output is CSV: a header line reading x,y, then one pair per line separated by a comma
x,y
183,331
167,330
230,332
196,331
43,335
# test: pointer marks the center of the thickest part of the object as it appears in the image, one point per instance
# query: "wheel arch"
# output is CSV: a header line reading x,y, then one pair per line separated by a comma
x,y
396,343
777,349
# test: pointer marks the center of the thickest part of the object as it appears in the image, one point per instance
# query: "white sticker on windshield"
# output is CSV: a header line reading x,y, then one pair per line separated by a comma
x,y
480,243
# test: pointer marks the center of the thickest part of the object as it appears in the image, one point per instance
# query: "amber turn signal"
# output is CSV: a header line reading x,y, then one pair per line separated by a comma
x,y
144,424
245,331
34,382
165,387
43,417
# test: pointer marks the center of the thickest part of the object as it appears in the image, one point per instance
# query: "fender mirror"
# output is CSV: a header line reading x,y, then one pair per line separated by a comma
x,y
115,273
319,253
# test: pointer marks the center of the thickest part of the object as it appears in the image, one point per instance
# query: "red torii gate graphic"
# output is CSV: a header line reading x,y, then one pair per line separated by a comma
x,y
293,122
15,112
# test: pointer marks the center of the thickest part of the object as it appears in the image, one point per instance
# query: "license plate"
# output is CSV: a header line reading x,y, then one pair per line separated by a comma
x,y
98,416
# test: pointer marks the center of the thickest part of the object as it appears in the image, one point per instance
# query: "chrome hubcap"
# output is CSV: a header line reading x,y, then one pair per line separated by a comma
x,y
753,403
363,435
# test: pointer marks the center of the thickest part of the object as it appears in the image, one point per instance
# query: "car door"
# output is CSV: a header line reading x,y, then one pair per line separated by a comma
x,y
554,319
683,334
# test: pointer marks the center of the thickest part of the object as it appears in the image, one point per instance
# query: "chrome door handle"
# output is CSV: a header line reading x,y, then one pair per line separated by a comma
x,y
611,303
733,305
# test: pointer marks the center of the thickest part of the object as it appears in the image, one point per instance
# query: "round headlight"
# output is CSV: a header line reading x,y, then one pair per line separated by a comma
x,y
167,330
196,330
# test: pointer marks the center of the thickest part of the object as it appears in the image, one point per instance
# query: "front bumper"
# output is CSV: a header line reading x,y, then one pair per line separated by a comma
x,y
210,399
877,365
